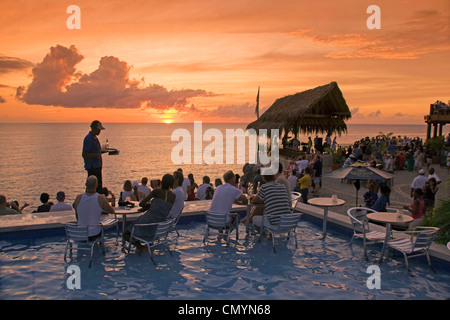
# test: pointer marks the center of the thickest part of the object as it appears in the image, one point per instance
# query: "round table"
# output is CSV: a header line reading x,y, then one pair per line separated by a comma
x,y
124,211
325,203
388,218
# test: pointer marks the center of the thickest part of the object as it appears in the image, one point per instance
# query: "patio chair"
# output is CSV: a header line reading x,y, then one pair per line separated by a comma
x,y
108,223
361,228
175,222
417,244
295,198
286,225
78,235
159,237
218,221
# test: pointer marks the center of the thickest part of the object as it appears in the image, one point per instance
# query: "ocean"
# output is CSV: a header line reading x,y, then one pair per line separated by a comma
x,y
38,158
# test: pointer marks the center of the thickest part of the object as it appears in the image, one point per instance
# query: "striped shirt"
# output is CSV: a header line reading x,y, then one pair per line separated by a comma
x,y
276,201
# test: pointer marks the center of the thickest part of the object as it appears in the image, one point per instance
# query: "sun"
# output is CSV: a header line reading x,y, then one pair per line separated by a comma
x,y
167,121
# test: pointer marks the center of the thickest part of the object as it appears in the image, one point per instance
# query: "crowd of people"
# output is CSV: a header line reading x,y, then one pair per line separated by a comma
x,y
165,198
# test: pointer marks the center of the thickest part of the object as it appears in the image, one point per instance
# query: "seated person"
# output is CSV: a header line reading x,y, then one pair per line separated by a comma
x,y
89,207
160,206
417,208
60,205
381,203
201,190
225,195
178,205
109,196
7,210
127,193
370,196
275,200
46,205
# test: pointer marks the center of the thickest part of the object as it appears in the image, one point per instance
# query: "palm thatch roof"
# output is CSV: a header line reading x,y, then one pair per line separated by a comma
x,y
322,109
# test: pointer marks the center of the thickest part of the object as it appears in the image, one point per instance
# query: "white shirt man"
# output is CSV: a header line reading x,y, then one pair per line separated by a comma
x,y
180,196
201,190
302,164
226,194
143,186
419,181
61,205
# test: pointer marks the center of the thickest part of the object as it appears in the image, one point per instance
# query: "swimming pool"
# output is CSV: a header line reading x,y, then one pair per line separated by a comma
x,y
33,268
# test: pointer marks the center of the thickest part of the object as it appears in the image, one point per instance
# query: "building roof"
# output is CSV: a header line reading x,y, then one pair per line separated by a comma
x,y
322,109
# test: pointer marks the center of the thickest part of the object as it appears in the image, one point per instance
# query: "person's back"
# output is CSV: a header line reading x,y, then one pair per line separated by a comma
x,y
178,204
223,198
89,213
60,206
89,207
275,200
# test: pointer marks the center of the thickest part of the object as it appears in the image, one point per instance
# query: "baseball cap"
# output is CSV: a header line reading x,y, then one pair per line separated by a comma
x,y
97,124
422,171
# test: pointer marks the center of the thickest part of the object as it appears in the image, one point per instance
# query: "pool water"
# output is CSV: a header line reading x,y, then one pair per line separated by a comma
x,y
246,269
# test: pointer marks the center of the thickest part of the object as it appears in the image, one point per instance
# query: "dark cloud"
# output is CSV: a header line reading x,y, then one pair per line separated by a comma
x,y
2,100
56,82
9,64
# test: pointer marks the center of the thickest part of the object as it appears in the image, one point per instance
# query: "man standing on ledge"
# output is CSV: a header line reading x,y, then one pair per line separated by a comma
x,y
92,153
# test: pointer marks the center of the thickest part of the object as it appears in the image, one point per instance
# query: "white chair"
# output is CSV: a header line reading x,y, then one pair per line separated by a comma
x,y
108,223
295,196
361,228
175,222
417,244
78,235
287,223
218,221
159,236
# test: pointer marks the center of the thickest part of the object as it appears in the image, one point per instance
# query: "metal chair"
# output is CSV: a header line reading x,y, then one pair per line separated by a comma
x,y
295,196
287,223
361,228
175,222
417,244
78,235
218,221
108,223
156,238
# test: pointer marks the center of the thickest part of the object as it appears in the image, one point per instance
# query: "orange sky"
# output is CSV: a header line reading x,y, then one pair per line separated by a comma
x,y
186,60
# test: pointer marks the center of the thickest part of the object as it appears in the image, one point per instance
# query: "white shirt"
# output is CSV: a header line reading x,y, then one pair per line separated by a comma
x,y
419,182
223,198
292,179
61,206
184,186
302,165
144,189
178,204
434,175
201,191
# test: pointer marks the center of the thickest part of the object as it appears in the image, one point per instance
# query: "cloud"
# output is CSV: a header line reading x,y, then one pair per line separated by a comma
x,y
234,111
56,82
2,100
375,114
424,32
9,64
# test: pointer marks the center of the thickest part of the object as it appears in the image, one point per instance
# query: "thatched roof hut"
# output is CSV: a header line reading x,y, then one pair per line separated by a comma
x,y
322,109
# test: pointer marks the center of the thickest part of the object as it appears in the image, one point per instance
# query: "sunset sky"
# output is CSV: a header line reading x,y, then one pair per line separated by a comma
x,y
181,61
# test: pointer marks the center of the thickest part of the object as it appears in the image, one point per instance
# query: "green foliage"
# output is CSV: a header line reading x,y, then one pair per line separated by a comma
x,y
440,218
436,143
